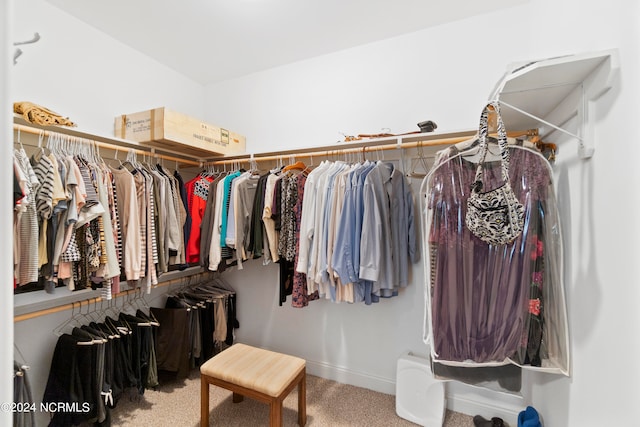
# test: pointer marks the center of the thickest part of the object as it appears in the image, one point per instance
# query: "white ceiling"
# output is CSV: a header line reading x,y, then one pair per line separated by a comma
x,y
214,40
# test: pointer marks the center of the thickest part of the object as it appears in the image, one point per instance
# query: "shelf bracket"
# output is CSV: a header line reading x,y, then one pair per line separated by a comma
x,y
553,91
544,122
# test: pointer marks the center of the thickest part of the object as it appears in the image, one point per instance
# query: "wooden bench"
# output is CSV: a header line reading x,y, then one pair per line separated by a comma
x,y
259,374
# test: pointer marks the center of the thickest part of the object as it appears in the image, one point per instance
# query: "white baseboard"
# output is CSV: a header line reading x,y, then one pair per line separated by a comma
x,y
460,398
481,406
348,376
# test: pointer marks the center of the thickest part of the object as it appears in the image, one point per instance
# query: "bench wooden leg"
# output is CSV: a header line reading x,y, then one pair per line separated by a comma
x,y
204,402
275,413
302,400
237,398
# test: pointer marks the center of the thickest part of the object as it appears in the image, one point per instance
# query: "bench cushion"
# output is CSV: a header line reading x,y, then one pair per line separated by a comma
x,y
254,368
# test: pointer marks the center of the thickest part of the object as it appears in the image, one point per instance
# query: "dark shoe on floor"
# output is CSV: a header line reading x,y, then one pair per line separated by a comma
x,y
480,421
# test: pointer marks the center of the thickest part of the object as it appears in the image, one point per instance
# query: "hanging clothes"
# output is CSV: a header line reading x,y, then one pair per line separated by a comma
x,y
173,340
346,258
186,215
26,257
178,226
243,194
152,238
95,363
215,249
44,170
305,241
198,193
388,218
143,208
226,251
308,224
299,293
486,304
70,381
111,266
129,215
285,225
22,397
199,323
347,211
271,234
170,231
80,223
289,196
206,229
230,219
257,232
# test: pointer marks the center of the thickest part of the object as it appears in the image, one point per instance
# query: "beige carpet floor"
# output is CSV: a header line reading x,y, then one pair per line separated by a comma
x,y
177,404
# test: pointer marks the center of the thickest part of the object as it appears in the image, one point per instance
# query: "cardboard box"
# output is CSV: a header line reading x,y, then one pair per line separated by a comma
x,y
169,130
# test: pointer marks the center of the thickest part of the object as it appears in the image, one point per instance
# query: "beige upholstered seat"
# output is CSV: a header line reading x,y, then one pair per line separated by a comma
x,y
260,374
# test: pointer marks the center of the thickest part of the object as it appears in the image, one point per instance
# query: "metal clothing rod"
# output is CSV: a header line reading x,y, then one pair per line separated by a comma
x,y
112,146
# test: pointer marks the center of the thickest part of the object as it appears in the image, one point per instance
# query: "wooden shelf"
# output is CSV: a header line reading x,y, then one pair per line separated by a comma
x,y
106,141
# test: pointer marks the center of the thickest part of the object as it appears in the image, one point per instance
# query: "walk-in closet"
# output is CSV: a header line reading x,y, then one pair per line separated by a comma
x,y
405,214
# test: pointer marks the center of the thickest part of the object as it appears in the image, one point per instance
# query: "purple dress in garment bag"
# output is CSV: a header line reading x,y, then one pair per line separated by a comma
x,y
479,292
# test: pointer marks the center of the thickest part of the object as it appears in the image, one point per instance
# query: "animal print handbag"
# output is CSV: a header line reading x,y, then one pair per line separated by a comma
x,y
496,216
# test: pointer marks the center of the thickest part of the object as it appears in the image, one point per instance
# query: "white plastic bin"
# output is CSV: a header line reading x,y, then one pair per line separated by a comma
x,y
420,398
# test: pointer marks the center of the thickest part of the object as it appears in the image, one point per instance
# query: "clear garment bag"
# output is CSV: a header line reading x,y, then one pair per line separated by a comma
x,y
492,305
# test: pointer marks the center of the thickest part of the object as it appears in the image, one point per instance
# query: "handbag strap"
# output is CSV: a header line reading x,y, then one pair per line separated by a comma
x,y
483,136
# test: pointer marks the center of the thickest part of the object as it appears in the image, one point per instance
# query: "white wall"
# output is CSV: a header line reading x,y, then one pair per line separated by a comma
x,y
445,74
88,76
81,73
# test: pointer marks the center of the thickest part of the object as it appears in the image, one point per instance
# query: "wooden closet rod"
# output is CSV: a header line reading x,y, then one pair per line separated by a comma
x,y
94,300
341,150
359,147
151,152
